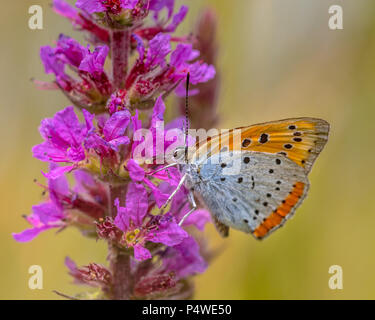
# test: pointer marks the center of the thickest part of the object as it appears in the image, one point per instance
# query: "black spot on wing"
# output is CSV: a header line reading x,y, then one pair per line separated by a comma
x,y
263,138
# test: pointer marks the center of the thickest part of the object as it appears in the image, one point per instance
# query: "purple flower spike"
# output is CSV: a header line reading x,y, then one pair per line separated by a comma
x,y
115,143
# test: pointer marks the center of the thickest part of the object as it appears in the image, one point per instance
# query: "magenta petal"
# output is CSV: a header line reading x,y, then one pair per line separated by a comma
x,y
181,54
136,172
84,181
177,208
184,259
122,218
158,5
128,4
137,202
177,19
176,123
56,173
51,63
57,187
141,253
90,6
159,48
173,176
29,234
116,125
88,119
158,112
71,265
180,91
169,233
70,50
65,9
115,143
140,46
160,197
45,128
198,218
93,62
75,153
80,19
47,152
94,141
136,123
83,178
201,72
66,127
47,212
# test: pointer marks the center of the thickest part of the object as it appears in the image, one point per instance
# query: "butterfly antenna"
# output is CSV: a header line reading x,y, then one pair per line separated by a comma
x,y
187,114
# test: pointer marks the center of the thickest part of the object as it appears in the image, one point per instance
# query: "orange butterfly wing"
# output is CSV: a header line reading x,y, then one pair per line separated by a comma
x,y
299,139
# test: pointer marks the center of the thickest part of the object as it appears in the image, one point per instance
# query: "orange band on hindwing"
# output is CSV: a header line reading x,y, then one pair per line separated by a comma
x,y
277,217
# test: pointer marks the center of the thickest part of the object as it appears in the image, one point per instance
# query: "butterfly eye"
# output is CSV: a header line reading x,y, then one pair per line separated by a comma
x,y
175,154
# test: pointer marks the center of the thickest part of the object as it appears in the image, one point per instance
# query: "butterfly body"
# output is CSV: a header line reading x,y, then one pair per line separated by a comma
x,y
257,184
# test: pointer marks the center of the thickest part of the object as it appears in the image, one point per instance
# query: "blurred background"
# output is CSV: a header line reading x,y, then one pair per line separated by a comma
x,y
277,59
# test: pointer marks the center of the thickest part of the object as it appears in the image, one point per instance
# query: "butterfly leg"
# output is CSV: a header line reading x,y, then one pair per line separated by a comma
x,y
194,206
180,184
164,168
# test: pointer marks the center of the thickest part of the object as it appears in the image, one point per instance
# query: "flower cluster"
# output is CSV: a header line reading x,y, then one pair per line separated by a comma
x,y
115,197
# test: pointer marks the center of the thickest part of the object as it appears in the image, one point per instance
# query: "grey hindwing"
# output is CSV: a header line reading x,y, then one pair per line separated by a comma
x,y
243,198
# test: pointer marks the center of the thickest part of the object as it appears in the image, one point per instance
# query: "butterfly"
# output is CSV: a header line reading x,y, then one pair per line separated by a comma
x,y
272,181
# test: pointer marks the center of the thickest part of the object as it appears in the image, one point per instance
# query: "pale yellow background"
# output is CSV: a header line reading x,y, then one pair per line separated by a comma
x,y
278,59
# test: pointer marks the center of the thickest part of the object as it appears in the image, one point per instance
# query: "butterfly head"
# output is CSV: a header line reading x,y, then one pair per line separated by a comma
x,y
179,155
